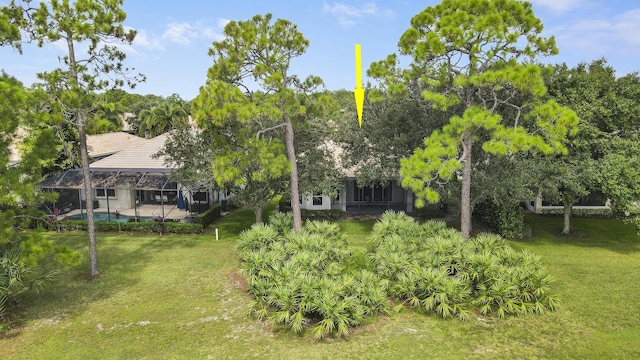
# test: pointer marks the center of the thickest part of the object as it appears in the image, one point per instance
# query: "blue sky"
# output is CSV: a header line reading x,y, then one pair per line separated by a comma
x,y
174,37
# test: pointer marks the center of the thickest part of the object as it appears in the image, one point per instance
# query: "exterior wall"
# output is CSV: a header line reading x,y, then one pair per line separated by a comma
x,y
400,200
307,203
124,200
537,207
340,203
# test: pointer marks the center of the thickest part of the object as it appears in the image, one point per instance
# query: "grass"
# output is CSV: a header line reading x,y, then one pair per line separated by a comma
x,y
179,297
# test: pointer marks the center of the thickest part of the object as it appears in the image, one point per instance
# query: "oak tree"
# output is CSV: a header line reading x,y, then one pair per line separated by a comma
x,y
602,156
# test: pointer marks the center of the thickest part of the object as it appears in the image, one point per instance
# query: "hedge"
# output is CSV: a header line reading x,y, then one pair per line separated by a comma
x,y
322,214
145,226
599,212
209,216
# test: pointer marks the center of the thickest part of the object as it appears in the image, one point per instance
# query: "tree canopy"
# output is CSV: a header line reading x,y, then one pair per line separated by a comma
x,y
478,55
250,96
22,153
600,155
96,65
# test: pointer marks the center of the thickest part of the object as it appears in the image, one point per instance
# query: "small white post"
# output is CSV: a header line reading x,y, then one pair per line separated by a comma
x,y
216,234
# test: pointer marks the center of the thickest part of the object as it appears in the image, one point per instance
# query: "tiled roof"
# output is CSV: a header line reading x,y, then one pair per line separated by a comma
x,y
111,143
137,157
337,152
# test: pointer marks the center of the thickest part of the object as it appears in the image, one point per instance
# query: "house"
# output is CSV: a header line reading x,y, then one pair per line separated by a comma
x,y
103,145
132,182
594,201
355,199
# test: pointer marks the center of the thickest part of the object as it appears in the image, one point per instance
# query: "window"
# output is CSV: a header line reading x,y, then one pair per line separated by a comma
x,y
372,194
317,199
103,193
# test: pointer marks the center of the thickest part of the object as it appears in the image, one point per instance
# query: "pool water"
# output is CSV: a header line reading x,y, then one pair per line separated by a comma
x,y
104,217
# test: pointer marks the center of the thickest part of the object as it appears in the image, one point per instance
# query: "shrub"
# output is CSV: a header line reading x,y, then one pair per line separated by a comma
x,y
310,280
431,211
599,212
281,221
144,226
332,214
298,279
507,221
434,269
209,216
182,228
284,204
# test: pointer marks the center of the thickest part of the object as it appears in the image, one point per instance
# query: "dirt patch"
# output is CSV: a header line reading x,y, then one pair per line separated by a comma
x,y
89,277
239,282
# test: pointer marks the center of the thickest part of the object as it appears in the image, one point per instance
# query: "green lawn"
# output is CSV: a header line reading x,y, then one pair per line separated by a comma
x,y
161,297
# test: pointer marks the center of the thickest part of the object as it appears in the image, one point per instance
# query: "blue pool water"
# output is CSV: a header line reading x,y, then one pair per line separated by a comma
x,y
104,217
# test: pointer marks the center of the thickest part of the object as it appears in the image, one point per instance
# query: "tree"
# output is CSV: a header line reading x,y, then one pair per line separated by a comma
x,y
109,114
250,89
478,55
394,127
601,154
97,26
201,158
21,251
162,118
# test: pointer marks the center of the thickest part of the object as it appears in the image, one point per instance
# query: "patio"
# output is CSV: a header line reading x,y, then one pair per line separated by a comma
x,y
167,212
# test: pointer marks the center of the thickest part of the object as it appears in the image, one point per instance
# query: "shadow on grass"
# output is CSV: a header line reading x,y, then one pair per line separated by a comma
x,y
610,234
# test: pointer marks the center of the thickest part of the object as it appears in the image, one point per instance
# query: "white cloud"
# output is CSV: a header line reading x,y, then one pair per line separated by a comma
x,y
627,27
603,34
184,33
349,15
143,40
222,22
561,5
590,25
180,33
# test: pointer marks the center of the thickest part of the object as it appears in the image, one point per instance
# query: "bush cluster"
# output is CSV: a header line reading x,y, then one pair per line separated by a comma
x,y
507,221
310,279
299,279
433,268
332,214
144,226
604,213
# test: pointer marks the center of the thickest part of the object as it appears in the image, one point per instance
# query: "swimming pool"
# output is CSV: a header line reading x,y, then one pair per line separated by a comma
x,y
104,217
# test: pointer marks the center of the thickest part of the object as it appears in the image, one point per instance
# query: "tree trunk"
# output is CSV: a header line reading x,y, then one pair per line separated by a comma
x,y
258,212
84,159
568,206
465,198
88,189
295,194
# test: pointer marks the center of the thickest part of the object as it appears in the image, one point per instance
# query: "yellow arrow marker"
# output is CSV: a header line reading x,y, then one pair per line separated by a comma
x,y
359,91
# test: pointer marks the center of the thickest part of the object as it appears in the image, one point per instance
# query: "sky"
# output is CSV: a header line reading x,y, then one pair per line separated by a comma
x,y
171,47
